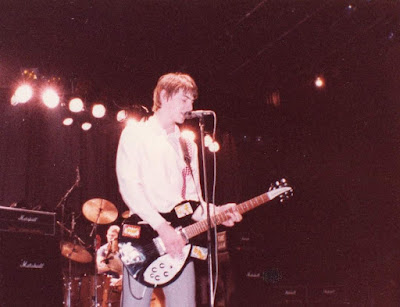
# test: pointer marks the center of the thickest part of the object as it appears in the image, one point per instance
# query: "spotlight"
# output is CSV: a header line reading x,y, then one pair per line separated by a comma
x,y
122,115
50,98
319,82
213,147
98,110
86,126
68,121
75,105
207,140
22,95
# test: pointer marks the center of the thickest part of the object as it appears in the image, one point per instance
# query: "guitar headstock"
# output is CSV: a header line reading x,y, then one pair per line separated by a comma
x,y
280,189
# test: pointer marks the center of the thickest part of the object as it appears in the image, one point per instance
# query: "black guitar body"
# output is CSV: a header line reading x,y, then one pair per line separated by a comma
x,y
143,253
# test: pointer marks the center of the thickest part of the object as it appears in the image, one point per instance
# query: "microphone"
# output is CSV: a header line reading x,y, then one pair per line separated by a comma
x,y
198,114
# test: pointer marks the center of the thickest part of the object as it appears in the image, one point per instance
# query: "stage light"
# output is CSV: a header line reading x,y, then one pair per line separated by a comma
x,y
86,126
188,134
207,140
75,105
30,73
50,98
319,82
22,95
68,121
350,8
213,147
98,110
122,115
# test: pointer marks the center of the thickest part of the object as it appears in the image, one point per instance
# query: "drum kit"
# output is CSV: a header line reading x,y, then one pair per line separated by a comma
x,y
88,290
99,289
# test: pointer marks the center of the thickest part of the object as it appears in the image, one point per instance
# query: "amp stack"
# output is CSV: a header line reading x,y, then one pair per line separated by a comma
x,y
30,264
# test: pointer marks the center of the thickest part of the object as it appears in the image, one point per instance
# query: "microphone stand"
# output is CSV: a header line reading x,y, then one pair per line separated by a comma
x,y
209,242
94,233
64,199
61,203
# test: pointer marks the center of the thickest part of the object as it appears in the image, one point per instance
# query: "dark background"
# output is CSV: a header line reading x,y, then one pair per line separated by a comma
x,y
338,146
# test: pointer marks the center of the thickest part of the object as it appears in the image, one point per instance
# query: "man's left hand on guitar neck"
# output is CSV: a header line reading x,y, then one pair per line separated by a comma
x,y
234,217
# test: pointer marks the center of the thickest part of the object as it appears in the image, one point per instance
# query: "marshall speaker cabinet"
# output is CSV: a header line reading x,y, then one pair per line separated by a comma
x,y
30,267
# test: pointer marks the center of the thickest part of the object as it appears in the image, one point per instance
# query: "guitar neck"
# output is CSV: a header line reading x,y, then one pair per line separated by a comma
x,y
202,226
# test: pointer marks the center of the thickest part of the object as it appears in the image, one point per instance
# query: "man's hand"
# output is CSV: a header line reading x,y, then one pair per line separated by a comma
x,y
234,216
173,241
101,265
115,282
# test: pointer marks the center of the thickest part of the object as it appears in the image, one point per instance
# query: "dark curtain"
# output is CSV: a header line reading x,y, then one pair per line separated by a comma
x,y
40,159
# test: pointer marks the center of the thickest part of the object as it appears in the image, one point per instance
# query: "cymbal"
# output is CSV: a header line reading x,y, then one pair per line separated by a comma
x,y
75,252
99,211
126,214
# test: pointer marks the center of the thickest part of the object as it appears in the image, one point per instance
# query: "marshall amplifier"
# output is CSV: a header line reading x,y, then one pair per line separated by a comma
x,y
30,270
22,220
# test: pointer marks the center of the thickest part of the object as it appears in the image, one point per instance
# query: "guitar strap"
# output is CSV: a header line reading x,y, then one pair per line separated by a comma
x,y
188,169
186,154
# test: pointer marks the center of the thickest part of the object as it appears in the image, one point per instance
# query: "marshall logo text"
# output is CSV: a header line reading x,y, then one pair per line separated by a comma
x,y
24,218
28,265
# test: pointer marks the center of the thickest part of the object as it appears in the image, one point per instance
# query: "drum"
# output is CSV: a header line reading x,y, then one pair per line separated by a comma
x,y
72,291
87,290
112,294
79,292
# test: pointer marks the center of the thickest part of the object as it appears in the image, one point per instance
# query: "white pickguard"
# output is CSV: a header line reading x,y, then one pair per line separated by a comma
x,y
165,268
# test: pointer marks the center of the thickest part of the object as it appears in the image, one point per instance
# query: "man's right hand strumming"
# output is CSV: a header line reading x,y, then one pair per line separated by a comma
x,y
172,240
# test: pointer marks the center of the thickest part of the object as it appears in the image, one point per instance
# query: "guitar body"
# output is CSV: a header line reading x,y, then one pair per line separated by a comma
x,y
143,253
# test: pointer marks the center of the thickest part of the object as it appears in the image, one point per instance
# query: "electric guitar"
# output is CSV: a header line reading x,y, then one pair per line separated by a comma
x,y
143,253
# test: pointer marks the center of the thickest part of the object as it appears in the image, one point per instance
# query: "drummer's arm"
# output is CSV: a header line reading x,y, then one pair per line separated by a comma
x,y
101,265
115,282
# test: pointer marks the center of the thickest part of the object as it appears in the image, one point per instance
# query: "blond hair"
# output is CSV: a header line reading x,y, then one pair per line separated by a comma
x,y
114,228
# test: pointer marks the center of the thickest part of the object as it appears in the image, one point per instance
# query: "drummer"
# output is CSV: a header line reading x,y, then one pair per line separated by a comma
x,y
107,257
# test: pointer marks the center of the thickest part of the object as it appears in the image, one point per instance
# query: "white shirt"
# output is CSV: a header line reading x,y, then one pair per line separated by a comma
x,y
149,171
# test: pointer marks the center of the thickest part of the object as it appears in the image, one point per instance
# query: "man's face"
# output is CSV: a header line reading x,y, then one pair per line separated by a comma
x,y
111,235
178,104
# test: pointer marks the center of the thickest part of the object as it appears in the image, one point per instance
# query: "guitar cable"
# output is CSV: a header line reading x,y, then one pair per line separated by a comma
x,y
130,286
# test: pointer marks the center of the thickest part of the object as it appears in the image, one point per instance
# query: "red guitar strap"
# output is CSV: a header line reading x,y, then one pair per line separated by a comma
x,y
188,169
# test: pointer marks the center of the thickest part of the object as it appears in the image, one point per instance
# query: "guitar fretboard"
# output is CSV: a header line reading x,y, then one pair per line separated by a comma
x,y
202,226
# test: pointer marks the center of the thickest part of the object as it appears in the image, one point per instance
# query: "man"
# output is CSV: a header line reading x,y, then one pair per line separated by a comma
x,y
154,177
107,258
